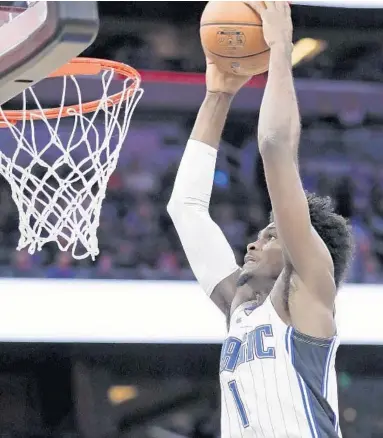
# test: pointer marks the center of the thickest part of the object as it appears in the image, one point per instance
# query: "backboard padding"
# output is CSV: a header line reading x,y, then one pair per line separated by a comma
x,y
62,31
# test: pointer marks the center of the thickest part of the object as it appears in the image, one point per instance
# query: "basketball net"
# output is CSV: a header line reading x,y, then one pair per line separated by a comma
x,y
58,184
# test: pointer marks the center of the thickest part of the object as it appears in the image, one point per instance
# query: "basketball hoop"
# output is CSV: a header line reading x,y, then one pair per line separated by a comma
x,y
65,207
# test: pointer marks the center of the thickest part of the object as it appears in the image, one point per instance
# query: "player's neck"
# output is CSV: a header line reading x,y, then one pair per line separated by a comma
x,y
280,293
253,292
257,287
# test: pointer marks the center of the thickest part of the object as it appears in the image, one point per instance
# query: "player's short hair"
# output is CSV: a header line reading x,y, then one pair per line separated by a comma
x,y
335,232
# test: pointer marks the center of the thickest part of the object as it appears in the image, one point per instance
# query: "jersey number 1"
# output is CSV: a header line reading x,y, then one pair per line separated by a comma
x,y
239,403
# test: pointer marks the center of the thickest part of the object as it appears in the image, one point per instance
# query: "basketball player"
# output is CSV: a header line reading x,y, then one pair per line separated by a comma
x,y
277,366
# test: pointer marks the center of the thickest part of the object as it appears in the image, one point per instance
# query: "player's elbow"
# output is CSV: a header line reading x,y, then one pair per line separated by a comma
x,y
277,143
276,149
171,208
271,149
184,207
174,207
183,210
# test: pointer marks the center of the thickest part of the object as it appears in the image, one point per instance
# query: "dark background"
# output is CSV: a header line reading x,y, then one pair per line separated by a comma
x,y
62,390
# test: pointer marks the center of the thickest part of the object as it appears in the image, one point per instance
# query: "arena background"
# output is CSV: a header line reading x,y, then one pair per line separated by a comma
x,y
128,346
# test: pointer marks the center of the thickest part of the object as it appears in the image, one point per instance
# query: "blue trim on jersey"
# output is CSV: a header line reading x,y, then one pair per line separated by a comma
x,y
310,400
325,379
327,370
302,386
239,403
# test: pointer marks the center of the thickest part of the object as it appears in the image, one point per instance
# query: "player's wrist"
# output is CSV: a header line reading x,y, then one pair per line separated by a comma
x,y
220,97
283,49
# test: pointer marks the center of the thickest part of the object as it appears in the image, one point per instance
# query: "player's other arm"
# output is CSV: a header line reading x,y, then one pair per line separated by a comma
x,y
278,138
209,254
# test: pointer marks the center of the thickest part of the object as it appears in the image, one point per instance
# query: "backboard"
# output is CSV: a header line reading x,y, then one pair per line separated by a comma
x,y
38,37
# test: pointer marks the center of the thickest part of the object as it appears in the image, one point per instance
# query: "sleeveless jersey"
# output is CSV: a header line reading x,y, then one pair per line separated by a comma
x,y
275,381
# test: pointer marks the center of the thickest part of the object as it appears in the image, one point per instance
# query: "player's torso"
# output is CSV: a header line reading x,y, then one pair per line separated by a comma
x,y
276,382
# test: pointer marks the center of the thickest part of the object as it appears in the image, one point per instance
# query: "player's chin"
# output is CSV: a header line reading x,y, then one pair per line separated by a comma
x,y
249,270
244,277
251,264
263,268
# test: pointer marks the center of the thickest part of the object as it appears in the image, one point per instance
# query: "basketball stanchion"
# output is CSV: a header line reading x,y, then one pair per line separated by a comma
x,y
59,182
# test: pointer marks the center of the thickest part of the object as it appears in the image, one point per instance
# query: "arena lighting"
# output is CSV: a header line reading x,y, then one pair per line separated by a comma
x,y
371,4
119,394
307,48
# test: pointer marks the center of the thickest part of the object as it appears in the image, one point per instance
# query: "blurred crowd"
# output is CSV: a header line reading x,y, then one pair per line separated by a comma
x,y
176,49
157,36
137,239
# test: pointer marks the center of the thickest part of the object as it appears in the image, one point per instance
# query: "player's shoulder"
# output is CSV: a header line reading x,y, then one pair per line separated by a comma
x,y
224,293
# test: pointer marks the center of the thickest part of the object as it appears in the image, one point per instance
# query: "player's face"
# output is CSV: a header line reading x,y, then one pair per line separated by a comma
x,y
264,257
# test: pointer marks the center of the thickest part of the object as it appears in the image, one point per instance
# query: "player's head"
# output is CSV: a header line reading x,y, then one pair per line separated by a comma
x,y
265,258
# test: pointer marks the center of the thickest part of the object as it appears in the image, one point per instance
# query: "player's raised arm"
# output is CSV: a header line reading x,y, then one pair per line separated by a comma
x,y
209,254
278,138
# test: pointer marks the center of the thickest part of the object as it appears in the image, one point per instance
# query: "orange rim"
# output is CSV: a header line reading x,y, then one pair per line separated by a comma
x,y
79,67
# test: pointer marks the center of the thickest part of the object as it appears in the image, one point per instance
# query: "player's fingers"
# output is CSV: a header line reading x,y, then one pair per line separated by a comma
x,y
278,6
270,6
282,7
287,8
258,7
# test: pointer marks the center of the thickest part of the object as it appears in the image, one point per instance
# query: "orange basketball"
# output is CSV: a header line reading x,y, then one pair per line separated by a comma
x,y
232,37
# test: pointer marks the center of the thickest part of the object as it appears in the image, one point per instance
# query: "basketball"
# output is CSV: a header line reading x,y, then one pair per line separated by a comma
x,y
232,37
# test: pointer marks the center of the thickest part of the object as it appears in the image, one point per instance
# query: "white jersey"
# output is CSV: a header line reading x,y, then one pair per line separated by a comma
x,y
275,381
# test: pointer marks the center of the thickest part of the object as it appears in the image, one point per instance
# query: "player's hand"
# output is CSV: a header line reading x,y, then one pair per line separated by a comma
x,y
218,81
276,22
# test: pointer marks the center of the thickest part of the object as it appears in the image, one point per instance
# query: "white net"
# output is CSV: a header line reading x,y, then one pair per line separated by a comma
x,y
59,171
